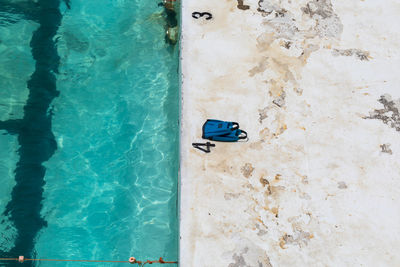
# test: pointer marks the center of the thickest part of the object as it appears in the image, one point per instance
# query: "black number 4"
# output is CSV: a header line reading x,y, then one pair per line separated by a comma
x,y
198,15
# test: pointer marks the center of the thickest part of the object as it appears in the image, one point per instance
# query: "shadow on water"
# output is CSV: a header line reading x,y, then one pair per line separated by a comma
x,y
36,140
171,109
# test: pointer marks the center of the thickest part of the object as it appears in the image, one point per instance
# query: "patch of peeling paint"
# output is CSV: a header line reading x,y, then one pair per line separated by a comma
x,y
328,23
249,255
385,148
360,54
389,114
299,238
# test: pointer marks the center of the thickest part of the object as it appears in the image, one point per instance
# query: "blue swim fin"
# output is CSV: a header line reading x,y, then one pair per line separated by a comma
x,y
233,136
213,128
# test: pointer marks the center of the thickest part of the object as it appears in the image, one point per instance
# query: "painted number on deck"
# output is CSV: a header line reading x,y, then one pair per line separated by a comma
x,y
198,15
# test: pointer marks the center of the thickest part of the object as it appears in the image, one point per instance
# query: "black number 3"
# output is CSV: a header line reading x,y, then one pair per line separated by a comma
x,y
198,15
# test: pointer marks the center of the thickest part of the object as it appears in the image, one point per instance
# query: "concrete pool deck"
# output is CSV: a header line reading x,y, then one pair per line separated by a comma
x,y
316,86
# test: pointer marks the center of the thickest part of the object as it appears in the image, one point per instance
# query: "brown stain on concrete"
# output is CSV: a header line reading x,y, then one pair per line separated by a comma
x,y
260,68
276,88
222,166
282,242
264,181
265,134
276,190
272,193
275,211
247,170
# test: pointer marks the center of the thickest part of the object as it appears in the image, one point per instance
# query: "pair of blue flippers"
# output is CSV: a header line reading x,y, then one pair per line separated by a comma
x,y
224,131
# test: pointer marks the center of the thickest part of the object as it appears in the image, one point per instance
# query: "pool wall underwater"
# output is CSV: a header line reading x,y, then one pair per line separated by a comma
x,y
89,131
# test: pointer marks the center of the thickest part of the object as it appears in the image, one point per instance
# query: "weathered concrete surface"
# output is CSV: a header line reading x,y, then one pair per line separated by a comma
x,y
316,85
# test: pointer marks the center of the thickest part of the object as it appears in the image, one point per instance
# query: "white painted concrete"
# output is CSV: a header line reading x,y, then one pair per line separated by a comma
x,y
318,182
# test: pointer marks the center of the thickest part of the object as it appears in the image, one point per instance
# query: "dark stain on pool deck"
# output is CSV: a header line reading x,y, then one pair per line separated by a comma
x,y
389,114
385,148
360,54
36,140
242,6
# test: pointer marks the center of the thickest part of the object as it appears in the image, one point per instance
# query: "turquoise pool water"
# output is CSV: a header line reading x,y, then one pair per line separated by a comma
x,y
103,138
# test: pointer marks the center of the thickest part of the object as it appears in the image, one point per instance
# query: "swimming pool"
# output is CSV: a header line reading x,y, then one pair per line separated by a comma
x,y
89,131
